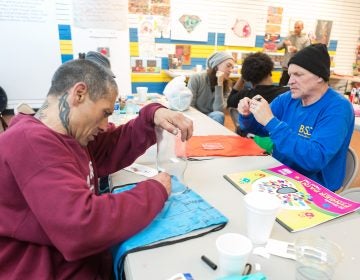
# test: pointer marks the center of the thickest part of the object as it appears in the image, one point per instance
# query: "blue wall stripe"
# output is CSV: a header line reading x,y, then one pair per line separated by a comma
x,y
133,37
221,39
66,57
332,45
194,62
259,40
64,32
164,63
153,87
210,41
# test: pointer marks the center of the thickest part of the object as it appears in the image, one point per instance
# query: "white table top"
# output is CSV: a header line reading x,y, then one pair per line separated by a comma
x,y
206,178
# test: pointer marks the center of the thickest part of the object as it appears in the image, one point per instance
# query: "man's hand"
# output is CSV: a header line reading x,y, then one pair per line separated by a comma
x,y
164,179
244,106
261,110
173,121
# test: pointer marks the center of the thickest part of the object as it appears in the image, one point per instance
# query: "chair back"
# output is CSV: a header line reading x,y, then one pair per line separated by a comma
x,y
234,114
352,166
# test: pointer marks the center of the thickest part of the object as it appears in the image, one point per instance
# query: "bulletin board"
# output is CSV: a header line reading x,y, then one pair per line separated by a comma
x,y
31,47
30,50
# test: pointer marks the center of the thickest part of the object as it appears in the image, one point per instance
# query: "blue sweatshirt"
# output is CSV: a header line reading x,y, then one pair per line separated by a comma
x,y
313,139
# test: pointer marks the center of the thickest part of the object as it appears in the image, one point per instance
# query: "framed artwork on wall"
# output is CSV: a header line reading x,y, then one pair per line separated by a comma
x,y
240,30
190,26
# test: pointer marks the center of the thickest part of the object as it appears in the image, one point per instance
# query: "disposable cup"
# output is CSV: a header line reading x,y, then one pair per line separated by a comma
x,y
260,214
233,252
198,68
316,258
142,93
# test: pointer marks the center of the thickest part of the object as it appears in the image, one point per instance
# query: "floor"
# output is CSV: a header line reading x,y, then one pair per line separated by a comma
x,y
355,142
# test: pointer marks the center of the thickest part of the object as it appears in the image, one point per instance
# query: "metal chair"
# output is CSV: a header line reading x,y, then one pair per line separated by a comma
x,y
352,165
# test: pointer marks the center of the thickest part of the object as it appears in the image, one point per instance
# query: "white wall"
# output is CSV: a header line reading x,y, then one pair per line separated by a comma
x,y
30,46
28,57
345,15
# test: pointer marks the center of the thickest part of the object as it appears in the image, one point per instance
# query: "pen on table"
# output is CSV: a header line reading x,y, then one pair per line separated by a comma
x,y
209,262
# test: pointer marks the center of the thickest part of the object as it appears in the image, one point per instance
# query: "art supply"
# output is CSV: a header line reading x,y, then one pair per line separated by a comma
x,y
142,94
316,258
209,262
260,213
233,251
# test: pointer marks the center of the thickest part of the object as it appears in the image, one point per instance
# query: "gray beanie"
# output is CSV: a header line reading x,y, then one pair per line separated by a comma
x,y
101,60
218,57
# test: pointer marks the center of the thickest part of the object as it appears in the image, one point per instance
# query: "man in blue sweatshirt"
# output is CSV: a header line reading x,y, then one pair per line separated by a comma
x,y
311,125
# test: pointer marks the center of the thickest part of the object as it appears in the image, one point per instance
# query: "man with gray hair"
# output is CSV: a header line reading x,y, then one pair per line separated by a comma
x,y
311,125
292,44
54,223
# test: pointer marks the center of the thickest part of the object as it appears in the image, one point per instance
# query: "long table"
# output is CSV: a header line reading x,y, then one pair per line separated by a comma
x,y
206,178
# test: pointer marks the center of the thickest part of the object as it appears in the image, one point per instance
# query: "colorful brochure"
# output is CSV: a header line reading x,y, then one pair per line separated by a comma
x,y
305,203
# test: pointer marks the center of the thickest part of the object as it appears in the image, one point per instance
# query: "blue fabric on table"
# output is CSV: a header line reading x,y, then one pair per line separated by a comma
x,y
184,212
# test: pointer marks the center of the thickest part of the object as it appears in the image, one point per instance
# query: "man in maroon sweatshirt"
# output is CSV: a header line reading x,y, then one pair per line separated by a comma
x,y
53,223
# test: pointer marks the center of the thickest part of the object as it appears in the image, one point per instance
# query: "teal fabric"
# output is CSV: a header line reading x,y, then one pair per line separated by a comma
x,y
184,212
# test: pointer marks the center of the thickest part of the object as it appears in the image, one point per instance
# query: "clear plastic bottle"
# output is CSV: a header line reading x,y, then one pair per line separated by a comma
x,y
115,118
130,105
171,154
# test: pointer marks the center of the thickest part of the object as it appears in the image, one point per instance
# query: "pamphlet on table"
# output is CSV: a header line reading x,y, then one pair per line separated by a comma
x,y
305,203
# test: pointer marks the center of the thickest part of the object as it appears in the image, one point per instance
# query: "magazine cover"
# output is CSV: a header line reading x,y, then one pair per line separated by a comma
x,y
305,203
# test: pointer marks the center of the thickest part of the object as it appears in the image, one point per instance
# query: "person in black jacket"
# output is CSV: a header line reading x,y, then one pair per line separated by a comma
x,y
256,69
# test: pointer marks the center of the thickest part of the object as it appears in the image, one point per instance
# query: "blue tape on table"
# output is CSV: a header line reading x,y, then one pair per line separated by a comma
x,y
184,212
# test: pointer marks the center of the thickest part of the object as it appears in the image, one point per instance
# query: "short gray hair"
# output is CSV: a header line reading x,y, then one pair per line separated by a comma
x,y
99,82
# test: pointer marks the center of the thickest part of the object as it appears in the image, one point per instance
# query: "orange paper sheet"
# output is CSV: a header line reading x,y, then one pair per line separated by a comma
x,y
230,146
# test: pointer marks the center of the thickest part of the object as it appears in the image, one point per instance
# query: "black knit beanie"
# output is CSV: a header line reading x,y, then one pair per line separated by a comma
x,y
314,58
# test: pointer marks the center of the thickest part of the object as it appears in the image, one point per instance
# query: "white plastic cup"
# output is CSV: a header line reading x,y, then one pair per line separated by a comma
x,y
198,68
233,252
142,93
260,214
316,258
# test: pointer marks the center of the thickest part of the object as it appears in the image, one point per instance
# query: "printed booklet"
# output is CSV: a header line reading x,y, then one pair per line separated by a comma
x,y
305,203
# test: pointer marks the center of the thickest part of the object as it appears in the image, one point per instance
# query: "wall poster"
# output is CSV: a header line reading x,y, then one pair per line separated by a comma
x,y
273,28
240,30
186,25
323,31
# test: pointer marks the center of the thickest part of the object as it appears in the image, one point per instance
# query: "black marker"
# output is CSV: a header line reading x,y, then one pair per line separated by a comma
x,y
209,262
